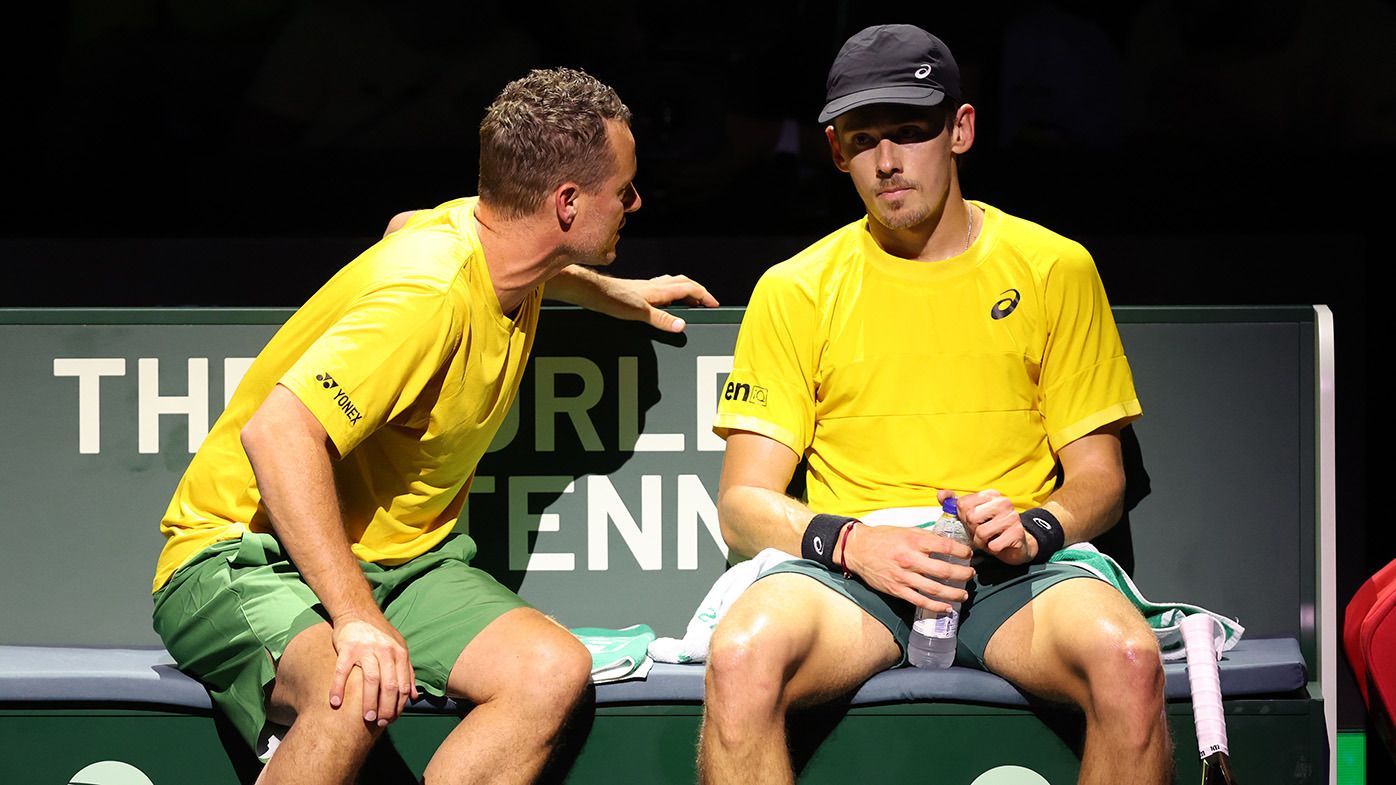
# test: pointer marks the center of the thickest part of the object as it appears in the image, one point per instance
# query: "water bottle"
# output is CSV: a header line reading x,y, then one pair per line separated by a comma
x,y
933,634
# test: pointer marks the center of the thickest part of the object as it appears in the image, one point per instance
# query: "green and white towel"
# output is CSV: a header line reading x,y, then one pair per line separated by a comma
x,y
617,655
1165,617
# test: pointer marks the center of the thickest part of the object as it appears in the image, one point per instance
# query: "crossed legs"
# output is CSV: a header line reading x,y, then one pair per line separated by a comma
x,y
791,642
525,674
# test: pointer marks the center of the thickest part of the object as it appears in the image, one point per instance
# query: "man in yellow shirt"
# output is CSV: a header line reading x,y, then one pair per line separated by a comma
x,y
937,347
311,576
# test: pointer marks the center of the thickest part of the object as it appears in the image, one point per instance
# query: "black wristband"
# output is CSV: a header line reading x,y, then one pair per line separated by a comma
x,y
821,535
1046,529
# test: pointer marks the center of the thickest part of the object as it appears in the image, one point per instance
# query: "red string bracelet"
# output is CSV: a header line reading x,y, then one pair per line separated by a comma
x,y
844,537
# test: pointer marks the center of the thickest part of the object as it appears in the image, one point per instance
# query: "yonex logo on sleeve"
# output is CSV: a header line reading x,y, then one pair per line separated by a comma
x,y
1006,305
341,398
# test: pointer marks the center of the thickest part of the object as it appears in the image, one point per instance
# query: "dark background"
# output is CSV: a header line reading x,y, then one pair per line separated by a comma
x,y
185,153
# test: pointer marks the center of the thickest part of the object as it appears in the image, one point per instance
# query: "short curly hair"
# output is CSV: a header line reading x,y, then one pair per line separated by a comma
x,y
543,130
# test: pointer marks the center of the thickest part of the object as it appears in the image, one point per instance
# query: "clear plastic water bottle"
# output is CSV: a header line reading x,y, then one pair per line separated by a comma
x,y
933,634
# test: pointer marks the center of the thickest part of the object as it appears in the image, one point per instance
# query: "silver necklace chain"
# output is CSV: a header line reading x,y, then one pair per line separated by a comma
x,y
969,229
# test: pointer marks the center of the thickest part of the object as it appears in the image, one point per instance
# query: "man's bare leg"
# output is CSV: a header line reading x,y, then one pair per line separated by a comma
x,y
1082,642
325,745
526,675
788,642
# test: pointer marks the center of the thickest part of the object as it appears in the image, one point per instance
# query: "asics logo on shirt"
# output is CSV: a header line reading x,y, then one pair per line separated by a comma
x,y
1005,305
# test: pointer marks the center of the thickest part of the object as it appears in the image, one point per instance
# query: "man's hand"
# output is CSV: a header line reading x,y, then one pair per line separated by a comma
x,y
636,300
899,561
380,653
994,526
629,299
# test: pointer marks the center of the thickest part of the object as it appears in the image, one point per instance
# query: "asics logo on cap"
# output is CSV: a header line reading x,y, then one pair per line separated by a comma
x,y
923,72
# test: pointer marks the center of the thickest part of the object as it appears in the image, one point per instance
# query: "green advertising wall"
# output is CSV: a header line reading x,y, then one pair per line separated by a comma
x,y
597,500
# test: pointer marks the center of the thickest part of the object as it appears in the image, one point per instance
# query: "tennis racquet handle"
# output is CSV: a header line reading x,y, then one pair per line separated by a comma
x,y
1204,679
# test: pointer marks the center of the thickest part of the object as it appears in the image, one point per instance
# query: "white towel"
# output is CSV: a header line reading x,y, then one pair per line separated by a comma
x,y
693,646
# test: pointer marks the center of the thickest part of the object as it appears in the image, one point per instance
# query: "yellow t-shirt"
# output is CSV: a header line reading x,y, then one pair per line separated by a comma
x,y
897,378
407,361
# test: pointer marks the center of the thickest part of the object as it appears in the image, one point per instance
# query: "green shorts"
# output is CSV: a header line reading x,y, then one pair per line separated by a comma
x,y
228,614
996,593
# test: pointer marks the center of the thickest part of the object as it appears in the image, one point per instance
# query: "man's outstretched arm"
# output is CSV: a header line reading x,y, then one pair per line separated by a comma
x,y
627,298
755,513
622,298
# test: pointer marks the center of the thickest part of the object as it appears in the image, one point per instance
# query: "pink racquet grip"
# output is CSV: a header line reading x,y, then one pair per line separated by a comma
x,y
1205,682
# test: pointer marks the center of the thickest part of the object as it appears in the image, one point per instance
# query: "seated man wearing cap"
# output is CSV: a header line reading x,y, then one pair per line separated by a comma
x,y
935,347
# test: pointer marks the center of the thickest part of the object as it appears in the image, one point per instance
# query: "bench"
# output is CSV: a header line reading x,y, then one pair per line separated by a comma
x,y
597,505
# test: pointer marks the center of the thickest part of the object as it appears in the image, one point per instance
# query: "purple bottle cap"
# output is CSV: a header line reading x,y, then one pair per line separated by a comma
x,y
951,506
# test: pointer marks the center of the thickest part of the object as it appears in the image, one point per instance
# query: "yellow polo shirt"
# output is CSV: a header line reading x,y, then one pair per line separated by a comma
x,y
897,378
407,361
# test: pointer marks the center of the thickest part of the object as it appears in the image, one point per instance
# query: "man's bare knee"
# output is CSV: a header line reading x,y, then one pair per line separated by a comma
x,y
798,644
304,675
1125,660
548,684
301,691
1125,679
558,675
749,666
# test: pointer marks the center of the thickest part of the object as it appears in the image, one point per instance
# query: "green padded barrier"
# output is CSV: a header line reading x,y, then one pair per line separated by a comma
x,y
1277,742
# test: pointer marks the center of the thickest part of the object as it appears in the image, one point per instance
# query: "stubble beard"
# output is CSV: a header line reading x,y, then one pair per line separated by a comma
x,y
909,210
900,216
593,256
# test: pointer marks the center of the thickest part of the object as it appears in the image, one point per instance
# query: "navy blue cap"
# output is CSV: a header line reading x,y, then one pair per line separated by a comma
x,y
891,64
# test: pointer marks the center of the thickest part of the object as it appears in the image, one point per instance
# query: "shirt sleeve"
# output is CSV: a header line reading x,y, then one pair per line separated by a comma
x,y
1085,381
374,362
771,390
